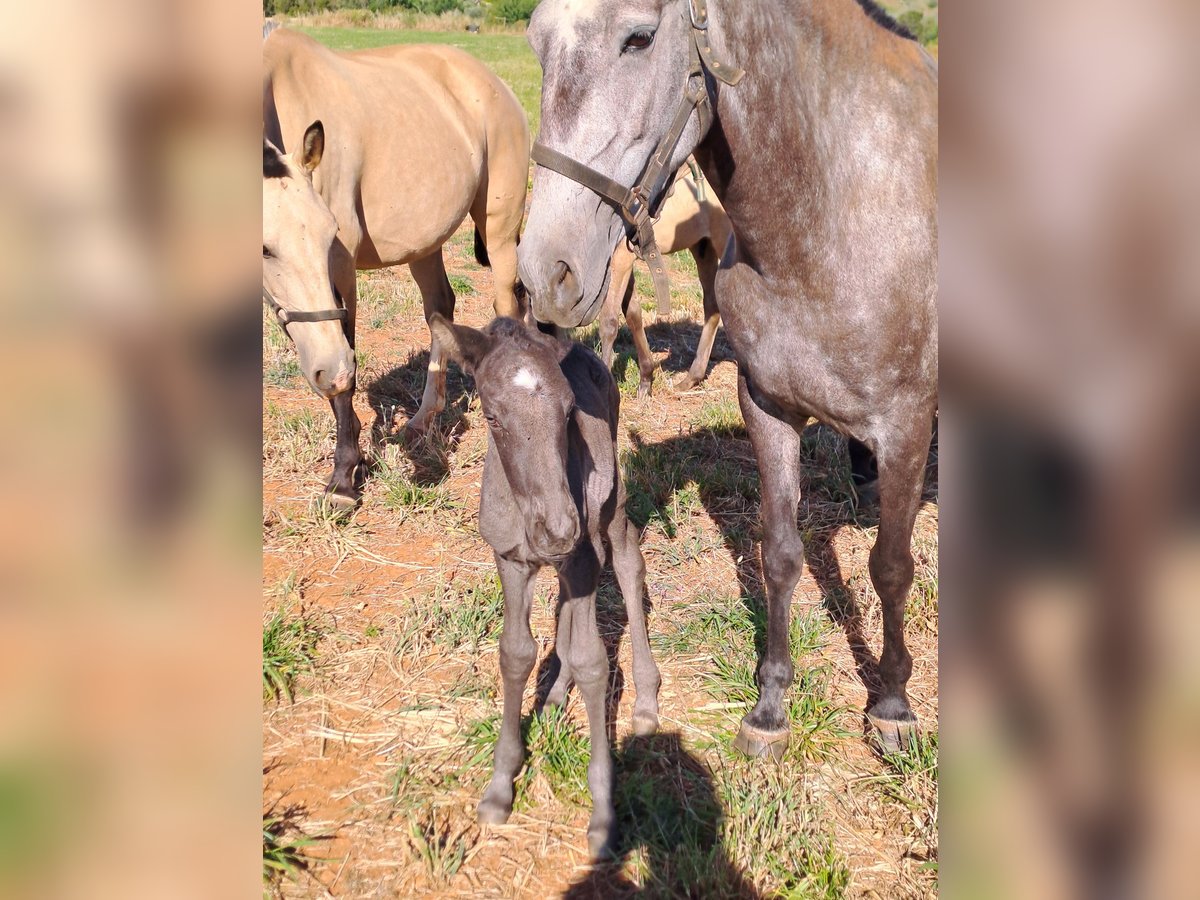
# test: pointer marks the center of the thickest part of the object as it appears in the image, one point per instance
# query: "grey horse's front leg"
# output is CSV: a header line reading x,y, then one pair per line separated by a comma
x,y
517,655
630,569
578,579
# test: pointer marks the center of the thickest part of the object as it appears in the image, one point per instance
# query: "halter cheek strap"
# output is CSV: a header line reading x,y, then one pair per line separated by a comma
x,y
639,205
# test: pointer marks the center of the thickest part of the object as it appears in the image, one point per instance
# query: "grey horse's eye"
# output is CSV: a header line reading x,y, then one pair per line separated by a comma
x,y
639,40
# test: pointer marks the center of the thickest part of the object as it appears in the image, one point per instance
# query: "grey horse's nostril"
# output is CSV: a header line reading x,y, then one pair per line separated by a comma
x,y
565,284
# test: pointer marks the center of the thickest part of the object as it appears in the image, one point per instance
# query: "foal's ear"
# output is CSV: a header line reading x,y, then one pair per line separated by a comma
x,y
313,147
465,345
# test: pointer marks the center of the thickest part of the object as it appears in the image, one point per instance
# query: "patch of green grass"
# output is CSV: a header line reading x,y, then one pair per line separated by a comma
x,y
289,649
508,55
465,616
282,850
461,285
723,417
282,373
442,847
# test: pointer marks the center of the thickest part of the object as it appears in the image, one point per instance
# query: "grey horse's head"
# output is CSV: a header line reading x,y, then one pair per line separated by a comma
x,y
298,235
528,403
613,74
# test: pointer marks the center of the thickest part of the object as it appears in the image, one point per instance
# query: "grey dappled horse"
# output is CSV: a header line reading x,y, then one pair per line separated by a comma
x,y
824,153
552,495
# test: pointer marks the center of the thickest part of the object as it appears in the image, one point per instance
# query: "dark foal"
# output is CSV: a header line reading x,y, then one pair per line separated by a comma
x,y
552,495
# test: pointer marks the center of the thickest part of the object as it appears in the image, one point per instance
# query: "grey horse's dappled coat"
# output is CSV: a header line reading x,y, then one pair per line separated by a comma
x,y
552,495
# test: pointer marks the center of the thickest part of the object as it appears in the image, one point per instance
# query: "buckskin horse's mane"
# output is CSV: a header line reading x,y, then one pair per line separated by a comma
x,y
882,17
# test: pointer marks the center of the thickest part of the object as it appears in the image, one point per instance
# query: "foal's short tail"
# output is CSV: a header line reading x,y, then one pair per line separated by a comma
x,y
481,256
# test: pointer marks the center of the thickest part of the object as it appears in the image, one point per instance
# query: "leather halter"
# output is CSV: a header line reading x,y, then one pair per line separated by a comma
x,y
640,204
287,316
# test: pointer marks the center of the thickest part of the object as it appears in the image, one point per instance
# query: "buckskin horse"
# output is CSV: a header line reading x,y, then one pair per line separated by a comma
x,y
816,123
415,138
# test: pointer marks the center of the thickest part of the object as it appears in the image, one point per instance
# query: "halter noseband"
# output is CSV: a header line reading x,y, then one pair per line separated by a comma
x,y
286,317
639,204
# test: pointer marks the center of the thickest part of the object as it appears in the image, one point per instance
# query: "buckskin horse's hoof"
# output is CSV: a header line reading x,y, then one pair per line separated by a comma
x,y
756,743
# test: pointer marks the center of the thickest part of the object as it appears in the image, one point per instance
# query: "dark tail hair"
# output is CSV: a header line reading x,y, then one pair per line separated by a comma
x,y
481,256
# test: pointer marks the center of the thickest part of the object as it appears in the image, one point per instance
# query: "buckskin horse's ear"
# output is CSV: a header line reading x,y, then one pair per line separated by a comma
x,y
465,345
313,147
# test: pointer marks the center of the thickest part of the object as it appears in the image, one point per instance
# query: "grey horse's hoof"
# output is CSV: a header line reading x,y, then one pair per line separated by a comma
x,y
493,813
756,743
892,735
645,723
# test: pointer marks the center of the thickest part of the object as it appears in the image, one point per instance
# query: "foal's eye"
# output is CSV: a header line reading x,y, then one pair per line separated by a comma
x,y
639,40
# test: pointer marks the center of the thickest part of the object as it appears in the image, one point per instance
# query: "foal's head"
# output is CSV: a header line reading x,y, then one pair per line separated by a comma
x,y
298,235
527,402
613,75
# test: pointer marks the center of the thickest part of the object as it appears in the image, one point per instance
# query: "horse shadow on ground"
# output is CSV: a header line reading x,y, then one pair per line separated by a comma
x,y
395,397
667,812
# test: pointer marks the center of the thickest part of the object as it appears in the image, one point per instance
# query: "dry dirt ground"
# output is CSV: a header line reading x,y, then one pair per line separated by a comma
x,y
374,764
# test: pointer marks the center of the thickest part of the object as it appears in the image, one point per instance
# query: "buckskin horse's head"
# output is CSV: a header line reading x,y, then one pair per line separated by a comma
x,y
614,75
298,235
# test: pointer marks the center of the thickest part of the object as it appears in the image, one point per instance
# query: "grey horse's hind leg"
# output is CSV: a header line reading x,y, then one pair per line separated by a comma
x,y
630,569
589,666
777,449
517,655
901,458
438,296
706,266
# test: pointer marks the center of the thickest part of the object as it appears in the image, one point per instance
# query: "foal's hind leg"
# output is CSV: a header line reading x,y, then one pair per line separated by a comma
x,y
517,654
777,449
557,695
631,576
438,296
901,454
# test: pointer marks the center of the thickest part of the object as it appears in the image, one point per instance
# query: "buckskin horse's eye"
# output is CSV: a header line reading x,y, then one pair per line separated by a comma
x,y
266,252
639,40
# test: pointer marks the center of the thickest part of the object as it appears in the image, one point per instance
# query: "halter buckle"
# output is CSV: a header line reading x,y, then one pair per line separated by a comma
x,y
699,17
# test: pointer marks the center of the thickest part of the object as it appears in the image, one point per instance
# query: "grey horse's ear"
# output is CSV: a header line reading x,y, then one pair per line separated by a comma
x,y
313,147
465,345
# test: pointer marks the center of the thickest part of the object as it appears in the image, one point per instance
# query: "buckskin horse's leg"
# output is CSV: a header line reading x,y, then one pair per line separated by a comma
x,y
620,279
342,489
901,458
577,580
630,569
706,266
777,448
518,652
438,296
646,363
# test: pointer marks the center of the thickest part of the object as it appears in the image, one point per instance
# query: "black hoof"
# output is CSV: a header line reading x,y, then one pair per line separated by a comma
x,y
341,499
756,743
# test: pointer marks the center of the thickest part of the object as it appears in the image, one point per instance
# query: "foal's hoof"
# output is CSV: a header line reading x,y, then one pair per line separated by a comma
x,y
491,812
645,723
893,724
756,743
600,841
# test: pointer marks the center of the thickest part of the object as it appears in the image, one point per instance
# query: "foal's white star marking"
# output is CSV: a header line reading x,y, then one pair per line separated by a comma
x,y
526,378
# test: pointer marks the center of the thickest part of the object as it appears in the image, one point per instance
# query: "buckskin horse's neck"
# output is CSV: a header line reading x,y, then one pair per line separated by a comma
x,y
784,147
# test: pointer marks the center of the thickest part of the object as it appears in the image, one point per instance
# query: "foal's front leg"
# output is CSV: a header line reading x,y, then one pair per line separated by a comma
x,y
577,580
517,654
